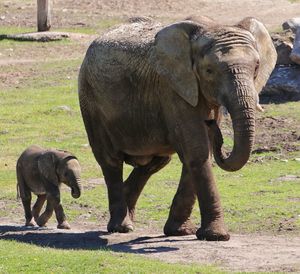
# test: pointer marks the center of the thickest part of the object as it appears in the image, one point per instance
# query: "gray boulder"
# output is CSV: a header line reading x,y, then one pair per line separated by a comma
x,y
283,42
294,25
283,85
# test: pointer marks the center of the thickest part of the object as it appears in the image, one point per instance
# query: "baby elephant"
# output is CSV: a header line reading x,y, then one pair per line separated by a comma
x,y
42,171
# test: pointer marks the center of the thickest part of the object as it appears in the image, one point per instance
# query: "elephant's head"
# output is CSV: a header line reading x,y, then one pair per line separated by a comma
x,y
58,166
224,65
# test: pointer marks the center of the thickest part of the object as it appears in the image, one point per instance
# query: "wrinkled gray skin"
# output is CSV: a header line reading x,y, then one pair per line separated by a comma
x,y
145,93
42,171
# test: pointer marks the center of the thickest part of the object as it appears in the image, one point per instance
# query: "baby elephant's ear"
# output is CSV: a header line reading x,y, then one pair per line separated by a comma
x,y
266,50
47,163
171,57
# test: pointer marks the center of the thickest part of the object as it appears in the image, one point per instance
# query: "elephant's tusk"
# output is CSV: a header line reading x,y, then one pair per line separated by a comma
x,y
259,108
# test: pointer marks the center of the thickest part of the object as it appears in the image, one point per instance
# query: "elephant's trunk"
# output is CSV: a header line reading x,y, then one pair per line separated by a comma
x,y
76,188
242,112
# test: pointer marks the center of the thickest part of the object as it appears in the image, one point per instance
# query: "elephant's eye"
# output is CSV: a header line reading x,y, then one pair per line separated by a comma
x,y
209,71
256,69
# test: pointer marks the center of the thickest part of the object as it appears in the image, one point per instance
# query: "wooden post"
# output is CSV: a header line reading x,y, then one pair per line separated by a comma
x,y
43,15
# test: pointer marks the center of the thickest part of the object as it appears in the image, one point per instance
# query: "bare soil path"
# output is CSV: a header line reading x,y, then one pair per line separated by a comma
x,y
242,253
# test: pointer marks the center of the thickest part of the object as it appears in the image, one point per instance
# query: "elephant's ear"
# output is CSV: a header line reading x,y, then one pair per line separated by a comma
x,y
171,57
47,164
265,47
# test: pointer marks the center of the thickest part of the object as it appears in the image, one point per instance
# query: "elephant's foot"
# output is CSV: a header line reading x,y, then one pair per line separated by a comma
x,y
30,222
64,225
124,226
179,228
213,232
41,221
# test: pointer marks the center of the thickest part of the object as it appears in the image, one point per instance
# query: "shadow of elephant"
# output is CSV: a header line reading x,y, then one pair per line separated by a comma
x,y
83,240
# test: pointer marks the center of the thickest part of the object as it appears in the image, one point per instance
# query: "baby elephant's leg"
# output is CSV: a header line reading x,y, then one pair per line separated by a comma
x,y
59,212
36,209
43,219
25,195
26,201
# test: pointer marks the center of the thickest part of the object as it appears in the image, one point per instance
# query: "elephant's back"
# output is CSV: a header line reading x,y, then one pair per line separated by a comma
x,y
137,33
31,152
114,58
120,45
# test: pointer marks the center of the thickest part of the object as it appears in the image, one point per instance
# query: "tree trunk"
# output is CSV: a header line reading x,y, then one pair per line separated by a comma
x,y
43,15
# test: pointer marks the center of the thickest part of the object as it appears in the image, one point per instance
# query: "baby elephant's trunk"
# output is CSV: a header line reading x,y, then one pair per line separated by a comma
x,y
76,189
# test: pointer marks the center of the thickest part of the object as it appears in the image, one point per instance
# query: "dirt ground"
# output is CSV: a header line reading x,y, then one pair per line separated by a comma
x,y
249,253
88,13
242,252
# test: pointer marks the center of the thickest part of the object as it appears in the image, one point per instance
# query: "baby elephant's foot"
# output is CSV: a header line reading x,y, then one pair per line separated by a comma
x,y
30,222
41,222
179,228
213,232
64,225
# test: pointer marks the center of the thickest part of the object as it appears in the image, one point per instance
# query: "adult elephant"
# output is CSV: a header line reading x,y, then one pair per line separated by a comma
x,y
145,93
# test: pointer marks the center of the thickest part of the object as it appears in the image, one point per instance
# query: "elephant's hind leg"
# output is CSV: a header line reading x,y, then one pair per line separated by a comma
x,y
25,195
36,209
138,179
179,223
119,217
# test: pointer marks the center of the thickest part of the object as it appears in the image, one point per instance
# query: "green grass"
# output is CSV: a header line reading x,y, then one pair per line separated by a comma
x,y
15,29
288,110
97,27
47,260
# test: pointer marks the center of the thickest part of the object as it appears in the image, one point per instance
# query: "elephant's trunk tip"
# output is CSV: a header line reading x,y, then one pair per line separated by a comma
x,y
76,191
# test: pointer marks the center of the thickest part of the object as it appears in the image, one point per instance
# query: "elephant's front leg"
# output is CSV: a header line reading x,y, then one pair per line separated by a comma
x,y
119,217
192,144
36,209
212,217
59,212
179,222
46,215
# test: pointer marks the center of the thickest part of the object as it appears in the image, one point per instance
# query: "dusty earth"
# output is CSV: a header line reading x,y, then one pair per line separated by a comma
x,y
242,252
81,13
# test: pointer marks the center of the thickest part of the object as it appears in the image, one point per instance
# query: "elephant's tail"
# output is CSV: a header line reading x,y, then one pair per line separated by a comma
x,y
18,192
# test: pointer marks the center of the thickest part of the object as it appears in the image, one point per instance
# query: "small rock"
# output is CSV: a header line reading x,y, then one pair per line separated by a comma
x,y
85,145
5,131
297,159
284,160
64,108
2,17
